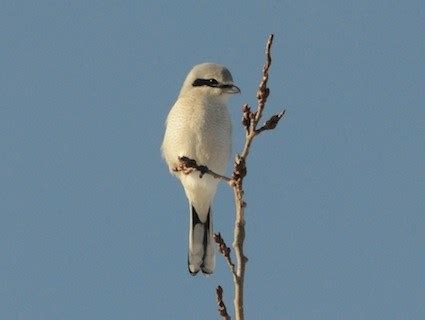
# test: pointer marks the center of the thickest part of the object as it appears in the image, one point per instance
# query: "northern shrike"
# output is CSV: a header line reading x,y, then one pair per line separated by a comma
x,y
198,127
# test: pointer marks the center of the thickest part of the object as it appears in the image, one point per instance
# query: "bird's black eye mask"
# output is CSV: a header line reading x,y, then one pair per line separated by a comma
x,y
205,82
210,83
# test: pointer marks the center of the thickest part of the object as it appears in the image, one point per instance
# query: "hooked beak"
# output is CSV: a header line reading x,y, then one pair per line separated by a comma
x,y
230,88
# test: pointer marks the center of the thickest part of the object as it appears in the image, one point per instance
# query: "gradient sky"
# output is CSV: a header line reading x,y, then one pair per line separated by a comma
x,y
94,227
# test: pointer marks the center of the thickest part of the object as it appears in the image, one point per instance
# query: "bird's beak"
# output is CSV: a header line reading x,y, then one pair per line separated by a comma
x,y
231,89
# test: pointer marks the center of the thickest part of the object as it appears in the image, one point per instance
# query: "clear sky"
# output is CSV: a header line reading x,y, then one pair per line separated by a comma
x,y
94,227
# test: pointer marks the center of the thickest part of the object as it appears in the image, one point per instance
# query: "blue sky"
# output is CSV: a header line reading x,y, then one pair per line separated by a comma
x,y
94,227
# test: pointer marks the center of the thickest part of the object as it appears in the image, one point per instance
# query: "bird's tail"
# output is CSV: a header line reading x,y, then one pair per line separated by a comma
x,y
201,244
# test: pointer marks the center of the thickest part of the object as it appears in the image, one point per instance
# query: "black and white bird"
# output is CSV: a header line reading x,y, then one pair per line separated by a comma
x,y
199,127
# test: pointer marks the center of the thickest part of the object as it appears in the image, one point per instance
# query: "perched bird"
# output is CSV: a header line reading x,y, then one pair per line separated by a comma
x,y
199,127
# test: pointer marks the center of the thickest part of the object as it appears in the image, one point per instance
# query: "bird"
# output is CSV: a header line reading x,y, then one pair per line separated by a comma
x,y
198,127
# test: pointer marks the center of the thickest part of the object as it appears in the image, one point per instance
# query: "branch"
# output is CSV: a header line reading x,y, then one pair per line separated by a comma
x,y
225,251
187,165
263,92
221,306
250,121
271,123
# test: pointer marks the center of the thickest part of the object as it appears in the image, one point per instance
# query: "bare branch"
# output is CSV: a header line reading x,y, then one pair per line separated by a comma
x,y
247,116
271,123
187,165
250,121
239,171
263,92
221,306
225,251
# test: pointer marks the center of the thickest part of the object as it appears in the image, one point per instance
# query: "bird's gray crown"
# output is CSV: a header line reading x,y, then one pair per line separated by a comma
x,y
209,75
211,71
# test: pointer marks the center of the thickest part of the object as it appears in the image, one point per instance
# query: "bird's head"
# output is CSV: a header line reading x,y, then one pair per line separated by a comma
x,y
209,79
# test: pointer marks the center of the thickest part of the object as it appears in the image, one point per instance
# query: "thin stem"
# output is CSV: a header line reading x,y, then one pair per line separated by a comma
x,y
250,121
222,310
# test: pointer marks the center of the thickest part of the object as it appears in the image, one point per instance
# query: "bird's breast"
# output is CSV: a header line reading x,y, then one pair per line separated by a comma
x,y
200,130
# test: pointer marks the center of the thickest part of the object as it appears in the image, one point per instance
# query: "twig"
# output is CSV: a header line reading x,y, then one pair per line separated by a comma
x,y
225,251
271,123
250,122
221,306
187,164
